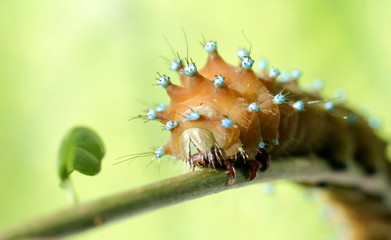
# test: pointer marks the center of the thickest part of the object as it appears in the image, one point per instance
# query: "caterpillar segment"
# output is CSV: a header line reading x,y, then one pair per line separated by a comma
x,y
230,144
244,119
274,121
226,116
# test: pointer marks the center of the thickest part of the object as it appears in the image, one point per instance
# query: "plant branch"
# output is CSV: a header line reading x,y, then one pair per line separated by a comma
x,y
182,188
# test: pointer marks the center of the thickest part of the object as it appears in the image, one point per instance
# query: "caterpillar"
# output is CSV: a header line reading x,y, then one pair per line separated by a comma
x,y
226,116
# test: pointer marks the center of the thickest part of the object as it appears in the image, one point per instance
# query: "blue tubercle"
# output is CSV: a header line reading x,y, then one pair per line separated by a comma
x,y
298,105
163,81
274,72
170,125
374,122
242,53
193,116
151,114
175,65
285,77
279,99
318,84
262,64
218,81
190,69
329,106
210,46
247,62
253,107
161,107
159,152
296,74
262,144
276,142
226,123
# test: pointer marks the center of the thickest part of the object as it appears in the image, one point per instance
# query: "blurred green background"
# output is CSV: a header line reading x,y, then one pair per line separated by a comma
x,y
91,62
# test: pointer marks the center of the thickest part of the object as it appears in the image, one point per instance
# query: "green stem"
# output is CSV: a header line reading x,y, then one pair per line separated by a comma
x,y
71,191
182,188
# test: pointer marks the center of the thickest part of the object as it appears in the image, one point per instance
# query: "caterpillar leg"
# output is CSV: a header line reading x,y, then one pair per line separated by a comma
x,y
253,167
231,172
264,158
200,149
203,159
209,160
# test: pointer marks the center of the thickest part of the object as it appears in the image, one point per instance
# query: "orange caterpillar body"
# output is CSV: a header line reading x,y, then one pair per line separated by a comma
x,y
225,115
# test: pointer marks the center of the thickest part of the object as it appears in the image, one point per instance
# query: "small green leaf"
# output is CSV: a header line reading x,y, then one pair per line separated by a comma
x,y
81,150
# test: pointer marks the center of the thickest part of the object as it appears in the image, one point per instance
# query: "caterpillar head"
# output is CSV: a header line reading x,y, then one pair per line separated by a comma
x,y
220,112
